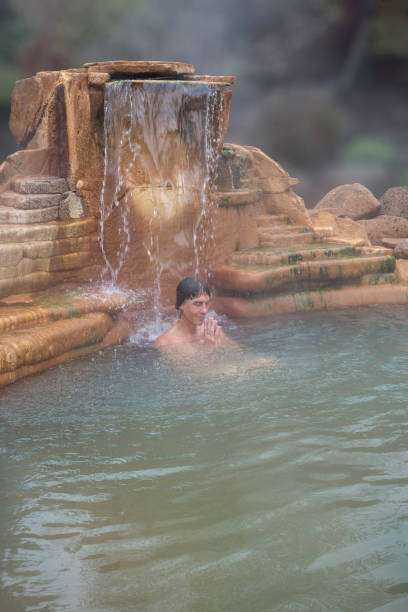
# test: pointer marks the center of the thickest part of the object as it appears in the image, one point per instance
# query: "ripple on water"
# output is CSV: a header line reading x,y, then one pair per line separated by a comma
x,y
145,488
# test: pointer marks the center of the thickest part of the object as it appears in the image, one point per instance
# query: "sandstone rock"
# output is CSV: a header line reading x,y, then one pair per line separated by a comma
x,y
49,248
10,254
401,249
28,161
343,228
395,202
355,200
98,79
401,267
52,339
7,171
391,243
276,185
206,78
385,226
25,201
129,67
338,212
29,100
39,184
15,215
72,207
47,231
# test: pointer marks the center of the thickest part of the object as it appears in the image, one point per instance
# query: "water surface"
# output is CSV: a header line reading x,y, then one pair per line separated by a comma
x,y
129,486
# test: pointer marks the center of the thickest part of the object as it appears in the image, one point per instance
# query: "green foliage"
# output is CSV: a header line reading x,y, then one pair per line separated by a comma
x,y
366,149
9,74
402,178
13,30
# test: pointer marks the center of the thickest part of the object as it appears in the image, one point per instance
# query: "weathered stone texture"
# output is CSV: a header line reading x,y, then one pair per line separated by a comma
x,y
47,231
401,249
132,67
10,254
385,226
28,161
72,206
29,101
50,340
14,215
355,200
395,202
25,201
39,184
343,228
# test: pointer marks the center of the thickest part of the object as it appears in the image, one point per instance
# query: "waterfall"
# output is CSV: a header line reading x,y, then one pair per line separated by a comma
x,y
162,141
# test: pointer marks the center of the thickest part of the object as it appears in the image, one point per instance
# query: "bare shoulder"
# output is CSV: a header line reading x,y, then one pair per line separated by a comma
x,y
163,340
169,337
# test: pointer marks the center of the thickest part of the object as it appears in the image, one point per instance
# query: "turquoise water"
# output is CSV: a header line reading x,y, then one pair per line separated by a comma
x,y
129,486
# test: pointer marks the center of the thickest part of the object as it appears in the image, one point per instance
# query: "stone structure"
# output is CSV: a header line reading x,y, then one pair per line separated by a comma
x,y
74,212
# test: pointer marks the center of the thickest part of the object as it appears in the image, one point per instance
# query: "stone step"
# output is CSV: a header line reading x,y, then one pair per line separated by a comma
x,y
47,231
287,239
39,184
261,278
278,257
25,201
37,281
43,330
275,304
379,279
269,231
263,220
29,346
238,197
19,216
54,305
56,263
323,232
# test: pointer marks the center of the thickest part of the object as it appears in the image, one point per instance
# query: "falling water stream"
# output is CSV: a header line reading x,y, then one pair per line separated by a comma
x,y
162,140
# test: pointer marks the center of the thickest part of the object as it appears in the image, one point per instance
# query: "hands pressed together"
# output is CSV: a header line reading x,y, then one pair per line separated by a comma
x,y
211,331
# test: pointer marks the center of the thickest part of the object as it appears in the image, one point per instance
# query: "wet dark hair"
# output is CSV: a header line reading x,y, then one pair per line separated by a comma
x,y
190,288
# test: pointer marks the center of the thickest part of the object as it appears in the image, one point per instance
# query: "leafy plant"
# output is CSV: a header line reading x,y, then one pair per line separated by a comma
x,y
367,149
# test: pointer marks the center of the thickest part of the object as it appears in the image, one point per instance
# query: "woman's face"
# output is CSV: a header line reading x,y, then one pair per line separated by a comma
x,y
195,309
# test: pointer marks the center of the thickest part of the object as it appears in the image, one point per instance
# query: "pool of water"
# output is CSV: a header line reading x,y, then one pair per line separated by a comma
x,y
127,485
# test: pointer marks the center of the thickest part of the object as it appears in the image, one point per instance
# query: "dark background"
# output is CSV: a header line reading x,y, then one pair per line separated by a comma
x,y
321,84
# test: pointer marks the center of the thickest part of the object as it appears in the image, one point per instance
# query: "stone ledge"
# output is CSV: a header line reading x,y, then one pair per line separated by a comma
x,y
241,308
55,305
238,197
39,184
47,231
24,347
29,201
129,67
23,217
118,333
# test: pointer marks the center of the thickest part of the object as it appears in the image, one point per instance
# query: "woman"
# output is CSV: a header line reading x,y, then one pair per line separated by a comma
x,y
192,304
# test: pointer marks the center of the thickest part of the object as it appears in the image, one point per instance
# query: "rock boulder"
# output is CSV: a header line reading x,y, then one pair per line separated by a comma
x,y
355,200
395,202
385,226
401,250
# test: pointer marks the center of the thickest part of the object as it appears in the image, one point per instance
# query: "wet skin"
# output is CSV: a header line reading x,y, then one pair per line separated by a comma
x,y
194,325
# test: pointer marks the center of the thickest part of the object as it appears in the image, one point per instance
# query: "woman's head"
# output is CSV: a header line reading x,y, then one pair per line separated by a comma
x,y
190,288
